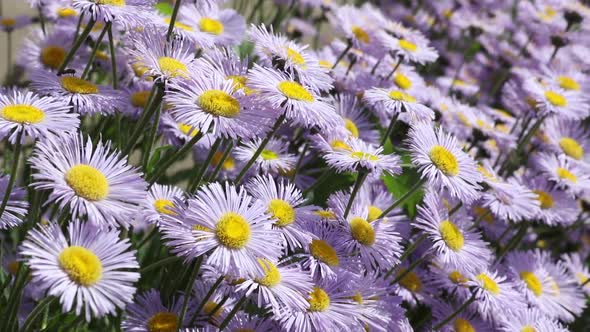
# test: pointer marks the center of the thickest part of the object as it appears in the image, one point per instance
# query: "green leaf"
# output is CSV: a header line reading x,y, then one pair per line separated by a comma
x,y
401,184
164,8
156,157
330,185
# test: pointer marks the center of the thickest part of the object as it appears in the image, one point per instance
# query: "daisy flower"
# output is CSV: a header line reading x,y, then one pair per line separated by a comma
x,y
299,102
326,256
466,320
557,206
578,270
34,116
528,319
551,99
412,286
178,133
221,27
85,96
94,182
359,26
440,159
48,50
450,280
274,156
495,294
412,46
160,201
356,122
225,221
90,268
148,313
9,24
566,172
394,102
568,137
61,10
451,241
16,207
365,156
137,96
214,104
129,13
285,206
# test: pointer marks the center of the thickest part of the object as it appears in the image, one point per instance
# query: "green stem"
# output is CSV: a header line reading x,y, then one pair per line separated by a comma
x,y
80,19
76,45
226,153
204,300
189,288
153,103
174,157
254,10
455,208
9,54
151,138
275,127
399,62
299,161
113,58
408,270
362,175
94,51
196,181
411,248
479,219
389,130
232,313
13,171
29,323
148,237
317,182
173,20
404,197
161,262
348,47
454,314
513,242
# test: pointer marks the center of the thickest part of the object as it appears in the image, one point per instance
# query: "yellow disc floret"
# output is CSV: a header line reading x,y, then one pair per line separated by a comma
x,y
374,213
233,231
402,81
211,25
118,3
410,281
140,98
556,99
66,12
568,83
351,127
87,182
172,67
219,103
545,199
269,155
361,155
294,90
324,252
462,325
318,300
272,276
457,278
23,114
81,265
488,283
401,96
282,211
566,175
78,85
571,147
163,206
451,235
528,328
407,45
52,56
162,322
444,160
361,34
532,282
362,231
295,56
209,309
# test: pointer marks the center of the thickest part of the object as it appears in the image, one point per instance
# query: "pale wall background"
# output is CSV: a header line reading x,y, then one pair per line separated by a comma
x,y
13,8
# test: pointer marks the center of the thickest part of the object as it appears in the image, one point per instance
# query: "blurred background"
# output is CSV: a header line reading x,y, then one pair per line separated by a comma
x,y
12,8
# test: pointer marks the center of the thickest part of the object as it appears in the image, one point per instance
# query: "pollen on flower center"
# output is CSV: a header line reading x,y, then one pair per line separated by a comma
x,y
571,147
340,145
444,160
81,265
532,282
240,83
295,56
228,164
410,281
566,175
219,103
211,25
374,213
294,90
568,83
451,235
66,12
545,199
53,56
209,308
361,34
282,211
87,182
528,328
351,127
457,278
163,206
407,45
187,129
319,300
272,276
402,81
462,325
172,67
323,251
140,98
118,3
362,231
8,22
361,155
179,25
162,321
233,231
488,283
22,114
78,85
325,214
401,96
556,99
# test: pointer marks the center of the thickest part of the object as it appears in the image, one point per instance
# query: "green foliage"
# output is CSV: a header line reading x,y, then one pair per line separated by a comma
x,y
164,8
401,184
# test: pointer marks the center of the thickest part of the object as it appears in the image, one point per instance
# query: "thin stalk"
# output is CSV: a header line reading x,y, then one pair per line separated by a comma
x,y
399,62
348,47
29,323
479,219
317,182
151,138
80,19
148,237
299,161
76,45
189,286
13,171
153,103
411,248
226,153
113,58
377,63
41,20
232,313
454,314
204,300
455,77
196,181
455,208
408,270
9,53
161,262
389,130
513,242
274,129
404,197
173,21
94,51
174,157
254,10
362,175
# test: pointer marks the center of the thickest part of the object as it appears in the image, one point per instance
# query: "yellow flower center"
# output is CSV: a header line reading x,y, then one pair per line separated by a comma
x,y
22,114
374,213
272,276
462,325
179,25
532,282
556,99
488,283
162,322
325,64
407,45
457,278
324,252
163,206
480,211
568,83
325,214
444,160
140,98
545,199
209,309
362,231
351,127
211,26
187,129
340,145
228,164
269,155
361,155
78,85
401,96
66,12
410,281
139,69
361,34
528,328
566,175
282,211
87,182
571,147
451,235
13,267
219,103
172,67
53,56
295,56
487,174
81,265
233,231
118,3
402,81
582,278
318,300
294,90
357,297
8,22
240,83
